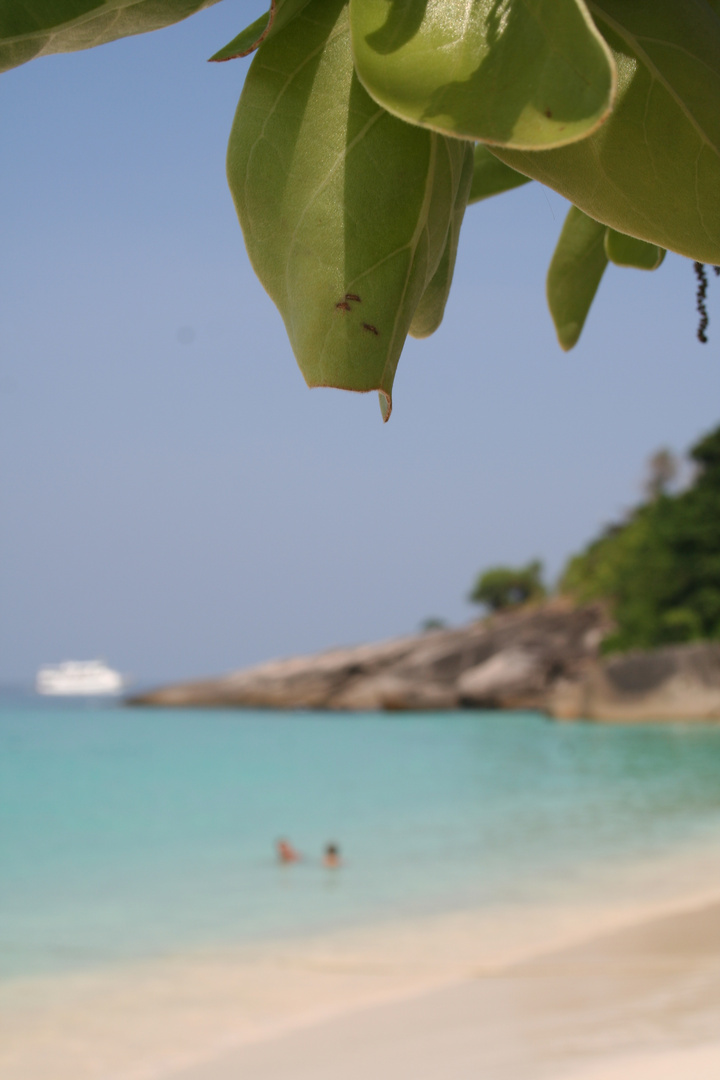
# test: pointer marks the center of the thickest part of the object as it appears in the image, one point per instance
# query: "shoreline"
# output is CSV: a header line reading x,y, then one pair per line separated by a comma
x,y
637,1003
199,1016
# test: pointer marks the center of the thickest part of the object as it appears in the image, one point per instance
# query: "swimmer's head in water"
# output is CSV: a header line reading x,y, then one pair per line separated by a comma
x,y
285,851
332,855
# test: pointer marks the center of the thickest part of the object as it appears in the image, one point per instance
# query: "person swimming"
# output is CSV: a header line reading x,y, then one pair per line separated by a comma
x,y
331,856
286,853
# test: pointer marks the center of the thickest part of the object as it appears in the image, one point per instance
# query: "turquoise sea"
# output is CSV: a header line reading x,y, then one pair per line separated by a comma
x,y
130,834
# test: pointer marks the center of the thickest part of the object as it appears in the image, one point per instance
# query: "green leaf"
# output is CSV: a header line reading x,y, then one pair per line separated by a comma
x,y
280,14
492,176
429,312
575,273
30,28
247,40
345,210
653,169
627,251
528,75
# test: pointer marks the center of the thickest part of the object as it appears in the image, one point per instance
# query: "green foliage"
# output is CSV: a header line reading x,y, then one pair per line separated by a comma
x,y
348,213
575,272
528,76
653,169
628,251
281,12
504,586
660,570
583,251
30,28
706,455
492,176
366,126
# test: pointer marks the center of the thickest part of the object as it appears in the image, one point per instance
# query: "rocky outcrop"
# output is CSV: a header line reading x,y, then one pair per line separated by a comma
x,y
680,682
543,656
515,659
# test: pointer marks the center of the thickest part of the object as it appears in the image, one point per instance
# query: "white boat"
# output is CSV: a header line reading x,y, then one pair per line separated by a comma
x,y
79,677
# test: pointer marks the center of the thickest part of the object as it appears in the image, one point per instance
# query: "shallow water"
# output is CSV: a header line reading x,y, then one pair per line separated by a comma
x,y
130,834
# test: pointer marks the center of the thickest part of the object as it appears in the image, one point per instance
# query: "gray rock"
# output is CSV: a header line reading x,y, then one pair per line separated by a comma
x,y
512,674
394,693
679,682
511,660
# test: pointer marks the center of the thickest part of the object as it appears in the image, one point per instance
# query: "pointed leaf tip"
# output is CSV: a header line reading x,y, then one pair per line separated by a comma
x,y
346,210
281,12
245,42
574,275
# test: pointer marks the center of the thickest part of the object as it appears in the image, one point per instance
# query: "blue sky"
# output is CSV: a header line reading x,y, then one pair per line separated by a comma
x,y
175,499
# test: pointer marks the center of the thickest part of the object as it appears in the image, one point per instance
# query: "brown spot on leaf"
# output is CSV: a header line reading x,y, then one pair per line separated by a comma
x,y
343,306
548,113
371,329
353,296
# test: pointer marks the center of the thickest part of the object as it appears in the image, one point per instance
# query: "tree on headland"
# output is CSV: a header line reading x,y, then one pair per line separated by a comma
x,y
365,129
662,469
659,570
502,587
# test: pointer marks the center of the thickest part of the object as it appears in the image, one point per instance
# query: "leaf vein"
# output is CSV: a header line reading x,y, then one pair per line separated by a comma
x,y
634,42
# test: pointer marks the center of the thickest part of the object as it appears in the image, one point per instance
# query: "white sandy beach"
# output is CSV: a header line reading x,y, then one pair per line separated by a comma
x,y
582,993
634,1004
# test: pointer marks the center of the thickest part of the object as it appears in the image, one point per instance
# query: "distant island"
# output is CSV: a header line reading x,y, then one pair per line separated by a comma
x,y
632,632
